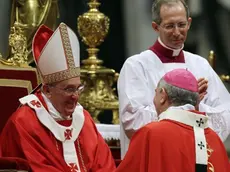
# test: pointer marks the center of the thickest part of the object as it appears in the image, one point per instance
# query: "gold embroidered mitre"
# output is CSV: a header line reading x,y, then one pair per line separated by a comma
x,y
56,53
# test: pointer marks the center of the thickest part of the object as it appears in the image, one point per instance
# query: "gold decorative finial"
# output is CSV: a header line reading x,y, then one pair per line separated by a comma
x,y
93,27
18,44
212,59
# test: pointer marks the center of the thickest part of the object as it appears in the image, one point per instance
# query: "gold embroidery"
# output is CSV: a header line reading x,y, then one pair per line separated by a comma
x,y
60,76
72,71
210,166
67,46
81,157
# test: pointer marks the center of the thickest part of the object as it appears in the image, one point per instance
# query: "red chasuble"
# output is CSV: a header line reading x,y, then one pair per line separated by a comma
x,y
24,136
168,146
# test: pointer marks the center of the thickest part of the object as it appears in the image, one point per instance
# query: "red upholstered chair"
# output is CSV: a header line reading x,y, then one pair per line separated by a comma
x,y
117,162
13,164
15,82
21,73
116,152
114,146
11,90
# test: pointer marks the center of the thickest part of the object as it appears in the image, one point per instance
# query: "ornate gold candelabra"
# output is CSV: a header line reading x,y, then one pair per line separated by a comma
x,y
212,59
26,17
93,26
212,62
19,52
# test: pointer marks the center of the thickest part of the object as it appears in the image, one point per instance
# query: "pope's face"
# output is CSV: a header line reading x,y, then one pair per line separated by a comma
x,y
63,99
174,25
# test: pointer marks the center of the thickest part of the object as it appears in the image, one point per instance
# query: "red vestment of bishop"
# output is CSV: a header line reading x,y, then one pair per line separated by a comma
x,y
169,146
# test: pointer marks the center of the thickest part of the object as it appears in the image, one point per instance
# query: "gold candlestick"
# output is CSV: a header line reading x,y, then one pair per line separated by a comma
x,y
93,27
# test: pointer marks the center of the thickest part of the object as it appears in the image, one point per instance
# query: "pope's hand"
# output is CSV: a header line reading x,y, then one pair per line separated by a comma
x,y
202,87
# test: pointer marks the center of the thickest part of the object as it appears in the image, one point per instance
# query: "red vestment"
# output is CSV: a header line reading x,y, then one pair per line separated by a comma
x,y
168,146
25,137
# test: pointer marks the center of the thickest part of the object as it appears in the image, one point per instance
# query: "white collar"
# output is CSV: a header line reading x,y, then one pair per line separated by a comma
x,y
183,107
53,112
176,52
185,117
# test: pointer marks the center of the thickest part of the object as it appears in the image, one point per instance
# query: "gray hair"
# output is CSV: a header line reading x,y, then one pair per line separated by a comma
x,y
178,96
48,85
156,7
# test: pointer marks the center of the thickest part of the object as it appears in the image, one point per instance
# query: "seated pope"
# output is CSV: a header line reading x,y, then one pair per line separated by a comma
x,y
181,140
50,129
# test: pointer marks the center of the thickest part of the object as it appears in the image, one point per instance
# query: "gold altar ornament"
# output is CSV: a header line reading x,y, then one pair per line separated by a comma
x,y
26,17
212,62
93,27
30,14
19,52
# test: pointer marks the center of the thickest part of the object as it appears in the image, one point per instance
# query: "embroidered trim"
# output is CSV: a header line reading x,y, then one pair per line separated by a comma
x,y
63,75
72,70
219,125
198,122
80,154
56,144
66,46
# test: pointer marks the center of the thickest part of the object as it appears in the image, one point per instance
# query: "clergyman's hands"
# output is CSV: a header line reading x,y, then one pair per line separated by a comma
x,y
202,87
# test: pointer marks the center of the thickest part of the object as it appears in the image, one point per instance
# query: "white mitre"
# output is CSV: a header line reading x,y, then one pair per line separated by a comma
x,y
56,53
